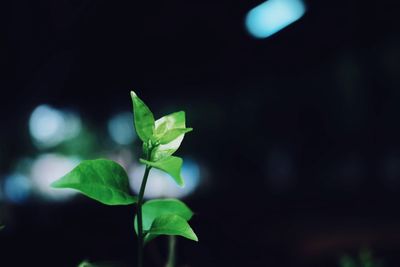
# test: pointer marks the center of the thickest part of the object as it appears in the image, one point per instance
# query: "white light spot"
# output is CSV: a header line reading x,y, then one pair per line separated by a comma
x,y
160,184
46,169
49,127
272,16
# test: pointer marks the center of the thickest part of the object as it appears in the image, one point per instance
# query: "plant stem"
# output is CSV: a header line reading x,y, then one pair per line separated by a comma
x,y
139,216
171,251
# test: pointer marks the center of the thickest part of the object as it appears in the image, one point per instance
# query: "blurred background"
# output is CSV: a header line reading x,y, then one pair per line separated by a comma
x,y
295,156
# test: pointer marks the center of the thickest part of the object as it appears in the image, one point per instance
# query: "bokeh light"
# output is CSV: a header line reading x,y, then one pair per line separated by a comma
x,y
121,129
272,16
17,188
161,184
49,126
46,169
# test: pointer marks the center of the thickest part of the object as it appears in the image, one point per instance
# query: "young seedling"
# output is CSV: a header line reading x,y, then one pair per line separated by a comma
x,y
107,182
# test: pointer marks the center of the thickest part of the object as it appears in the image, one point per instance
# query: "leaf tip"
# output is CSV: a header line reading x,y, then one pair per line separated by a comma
x,y
194,237
133,94
56,184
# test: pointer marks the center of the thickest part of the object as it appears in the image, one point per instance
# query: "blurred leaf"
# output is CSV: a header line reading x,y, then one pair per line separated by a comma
x,y
171,165
2,227
172,224
366,258
148,237
158,207
84,145
86,264
143,118
103,180
347,261
89,264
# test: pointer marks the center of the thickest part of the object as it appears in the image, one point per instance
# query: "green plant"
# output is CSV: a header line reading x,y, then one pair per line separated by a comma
x,y
107,182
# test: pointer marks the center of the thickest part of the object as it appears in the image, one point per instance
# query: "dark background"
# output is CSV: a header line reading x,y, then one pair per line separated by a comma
x,y
299,132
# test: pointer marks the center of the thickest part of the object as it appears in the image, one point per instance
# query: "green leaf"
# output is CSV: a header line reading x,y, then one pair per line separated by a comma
x,y
171,142
172,224
171,165
143,118
346,261
173,134
171,121
166,150
157,207
103,180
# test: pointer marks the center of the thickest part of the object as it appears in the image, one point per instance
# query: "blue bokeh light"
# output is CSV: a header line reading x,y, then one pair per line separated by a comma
x,y
272,16
49,126
121,129
17,188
